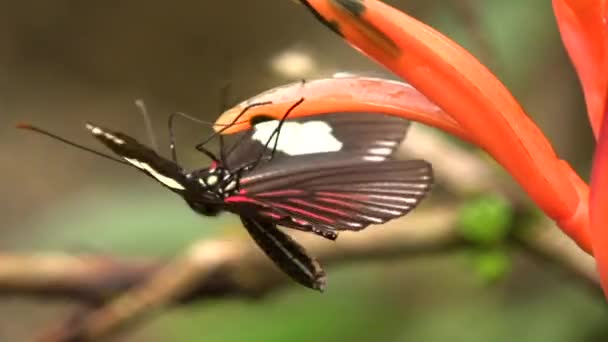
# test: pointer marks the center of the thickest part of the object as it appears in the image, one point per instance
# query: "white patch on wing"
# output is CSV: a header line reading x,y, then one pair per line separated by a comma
x,y
374,158
169,182
297,138
387,143
380,150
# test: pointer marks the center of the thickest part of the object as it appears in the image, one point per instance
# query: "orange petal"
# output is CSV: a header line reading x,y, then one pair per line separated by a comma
x,y
351,94
598,204
453,79
582,24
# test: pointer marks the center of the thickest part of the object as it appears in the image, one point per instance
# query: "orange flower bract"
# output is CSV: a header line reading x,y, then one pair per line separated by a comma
x,y
464,98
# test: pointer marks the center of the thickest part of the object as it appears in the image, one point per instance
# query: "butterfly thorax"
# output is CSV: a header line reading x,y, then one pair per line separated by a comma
x,y
216,180
209,187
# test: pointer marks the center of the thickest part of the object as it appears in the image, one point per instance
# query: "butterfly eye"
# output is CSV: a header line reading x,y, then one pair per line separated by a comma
x,y
260,118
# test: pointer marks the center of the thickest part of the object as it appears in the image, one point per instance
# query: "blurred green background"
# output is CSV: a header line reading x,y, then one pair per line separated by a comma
x,y
65,62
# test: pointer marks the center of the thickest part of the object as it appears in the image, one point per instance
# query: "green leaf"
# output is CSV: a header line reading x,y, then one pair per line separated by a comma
x,y
492,265
486,220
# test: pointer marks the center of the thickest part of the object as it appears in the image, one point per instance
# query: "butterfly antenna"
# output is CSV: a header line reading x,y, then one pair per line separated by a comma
x,y
32,128
149,129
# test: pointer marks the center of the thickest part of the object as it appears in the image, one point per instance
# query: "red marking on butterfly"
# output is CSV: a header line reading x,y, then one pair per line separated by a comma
x,y
288,192
320,207
302,211
339,202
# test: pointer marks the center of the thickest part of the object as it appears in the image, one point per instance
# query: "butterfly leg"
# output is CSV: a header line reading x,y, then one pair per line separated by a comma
x,y
201,145
275,135
261,157
277,131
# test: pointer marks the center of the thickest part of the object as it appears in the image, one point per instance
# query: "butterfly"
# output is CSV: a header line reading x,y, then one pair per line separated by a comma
x,y
335,172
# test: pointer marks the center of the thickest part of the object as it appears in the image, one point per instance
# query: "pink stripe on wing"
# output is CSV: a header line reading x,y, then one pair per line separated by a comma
x,y
279,193
342,195
320,207
271,215
303,212
243,199
340,202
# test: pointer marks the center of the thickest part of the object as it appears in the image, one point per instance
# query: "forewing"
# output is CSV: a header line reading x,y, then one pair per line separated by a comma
x,y
286,253
343,135
340,195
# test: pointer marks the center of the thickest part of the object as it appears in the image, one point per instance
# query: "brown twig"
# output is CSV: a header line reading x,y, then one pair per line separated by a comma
x,y
211,269
90,279
238,268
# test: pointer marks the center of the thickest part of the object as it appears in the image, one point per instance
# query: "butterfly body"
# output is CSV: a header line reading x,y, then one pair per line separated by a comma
x,y
344,178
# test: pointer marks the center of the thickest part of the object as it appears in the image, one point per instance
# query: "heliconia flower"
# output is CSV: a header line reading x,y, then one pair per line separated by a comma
x,y
582,24
471,102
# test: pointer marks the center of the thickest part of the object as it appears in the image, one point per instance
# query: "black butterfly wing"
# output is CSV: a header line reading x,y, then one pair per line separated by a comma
x,y
343,135
286,253
342,194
